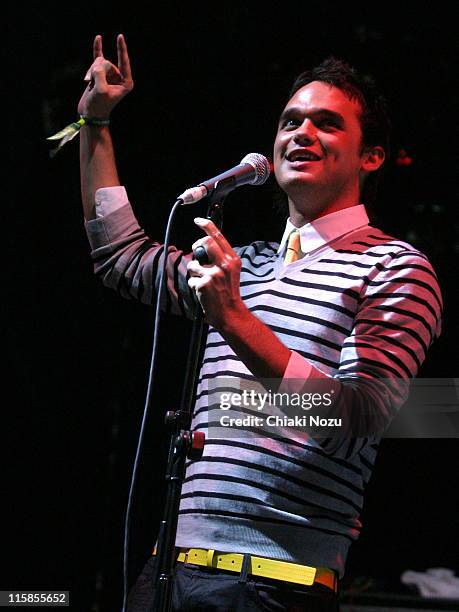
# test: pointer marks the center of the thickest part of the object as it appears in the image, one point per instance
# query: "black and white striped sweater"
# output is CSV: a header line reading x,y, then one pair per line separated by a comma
x,y
361,309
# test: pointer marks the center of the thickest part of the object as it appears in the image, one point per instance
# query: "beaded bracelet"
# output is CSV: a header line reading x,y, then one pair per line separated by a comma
x,y
70,131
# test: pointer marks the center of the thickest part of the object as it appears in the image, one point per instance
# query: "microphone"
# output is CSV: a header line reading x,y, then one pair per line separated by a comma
x,y
254,169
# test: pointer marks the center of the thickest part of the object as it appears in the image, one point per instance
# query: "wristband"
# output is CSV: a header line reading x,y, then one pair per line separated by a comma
x,y
98,121
70,131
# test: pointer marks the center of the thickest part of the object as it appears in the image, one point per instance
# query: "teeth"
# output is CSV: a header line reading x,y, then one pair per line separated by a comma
x,y
302,157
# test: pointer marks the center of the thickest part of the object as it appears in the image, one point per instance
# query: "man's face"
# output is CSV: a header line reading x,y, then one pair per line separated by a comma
x,y
318,149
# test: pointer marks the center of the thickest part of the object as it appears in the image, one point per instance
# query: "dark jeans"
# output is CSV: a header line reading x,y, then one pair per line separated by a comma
x,y
207,590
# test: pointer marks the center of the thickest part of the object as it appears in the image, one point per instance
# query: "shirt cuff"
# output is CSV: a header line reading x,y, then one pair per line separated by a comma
x,y
109,199
297,371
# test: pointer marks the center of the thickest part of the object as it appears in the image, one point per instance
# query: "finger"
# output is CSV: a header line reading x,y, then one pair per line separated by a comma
x,y
123,57
97,62
104,72
97,47
212,230
112,72
198,283
96,53
196,269
208,243
212,248
201,242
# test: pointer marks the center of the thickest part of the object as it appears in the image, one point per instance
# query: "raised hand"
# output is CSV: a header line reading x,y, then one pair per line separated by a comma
x,y
107,83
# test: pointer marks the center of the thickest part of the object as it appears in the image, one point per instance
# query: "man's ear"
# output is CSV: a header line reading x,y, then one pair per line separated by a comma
x,y
372,158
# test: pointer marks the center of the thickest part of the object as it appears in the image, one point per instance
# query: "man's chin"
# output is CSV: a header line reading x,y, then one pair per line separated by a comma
x,y
301,187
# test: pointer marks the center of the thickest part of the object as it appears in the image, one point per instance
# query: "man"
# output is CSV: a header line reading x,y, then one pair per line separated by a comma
x,y
337,302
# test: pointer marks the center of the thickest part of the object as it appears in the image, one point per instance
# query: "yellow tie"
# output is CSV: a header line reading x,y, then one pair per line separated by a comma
x,y
293,247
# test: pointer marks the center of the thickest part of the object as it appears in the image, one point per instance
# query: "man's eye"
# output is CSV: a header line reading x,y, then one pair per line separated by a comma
x,y
328,124
288,123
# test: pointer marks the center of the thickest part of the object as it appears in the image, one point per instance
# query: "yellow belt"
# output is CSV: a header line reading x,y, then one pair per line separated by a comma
x,y
260,566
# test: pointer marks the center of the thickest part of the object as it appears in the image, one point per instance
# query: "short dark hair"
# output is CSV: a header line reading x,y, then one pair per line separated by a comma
x,y
374,120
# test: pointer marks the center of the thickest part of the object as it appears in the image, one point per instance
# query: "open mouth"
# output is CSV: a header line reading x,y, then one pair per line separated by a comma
x,y
302,156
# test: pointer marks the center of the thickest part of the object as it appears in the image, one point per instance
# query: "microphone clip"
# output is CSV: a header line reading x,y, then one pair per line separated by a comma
x,y
221,189
215,214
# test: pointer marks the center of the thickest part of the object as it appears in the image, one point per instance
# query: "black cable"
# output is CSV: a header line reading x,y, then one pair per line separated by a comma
x,y
148,397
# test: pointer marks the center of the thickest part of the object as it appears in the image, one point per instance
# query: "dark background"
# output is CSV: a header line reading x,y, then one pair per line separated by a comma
x,y
210,84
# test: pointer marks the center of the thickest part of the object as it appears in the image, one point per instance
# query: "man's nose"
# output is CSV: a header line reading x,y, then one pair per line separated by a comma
x,y
305,133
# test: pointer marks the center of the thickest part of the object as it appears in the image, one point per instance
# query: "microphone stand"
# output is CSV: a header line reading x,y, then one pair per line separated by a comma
x,y
184,444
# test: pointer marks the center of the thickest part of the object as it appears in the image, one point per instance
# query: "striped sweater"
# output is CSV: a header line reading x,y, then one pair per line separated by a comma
x,y
363,310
